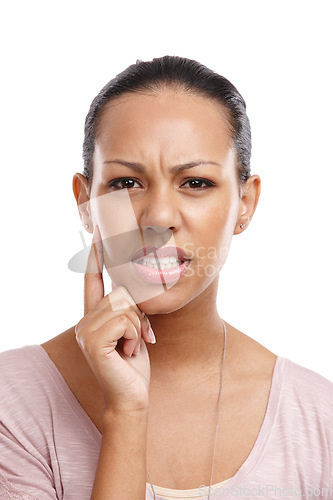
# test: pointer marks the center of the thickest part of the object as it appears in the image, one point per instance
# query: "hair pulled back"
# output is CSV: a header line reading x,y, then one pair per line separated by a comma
x,y
174,72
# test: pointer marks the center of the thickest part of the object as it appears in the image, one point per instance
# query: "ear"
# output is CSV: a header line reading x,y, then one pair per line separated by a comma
x,y
81,192
249,197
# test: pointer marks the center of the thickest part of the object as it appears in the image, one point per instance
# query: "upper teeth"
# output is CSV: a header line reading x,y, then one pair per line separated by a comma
x,y
161,262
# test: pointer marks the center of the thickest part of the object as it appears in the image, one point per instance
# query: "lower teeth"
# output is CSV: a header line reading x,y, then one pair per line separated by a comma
x,y
162,266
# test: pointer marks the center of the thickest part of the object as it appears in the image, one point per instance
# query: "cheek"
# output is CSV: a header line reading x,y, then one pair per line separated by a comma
x,y
224,232
113,214
210,253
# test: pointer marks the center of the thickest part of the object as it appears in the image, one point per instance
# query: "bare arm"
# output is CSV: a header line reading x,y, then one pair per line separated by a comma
x,y
112,330
121,470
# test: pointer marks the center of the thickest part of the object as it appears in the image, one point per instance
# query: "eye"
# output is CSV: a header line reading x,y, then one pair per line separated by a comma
x,y
128,183
128,180
197,182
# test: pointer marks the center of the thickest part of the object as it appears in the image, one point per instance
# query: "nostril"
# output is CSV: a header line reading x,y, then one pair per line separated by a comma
x,y
162,230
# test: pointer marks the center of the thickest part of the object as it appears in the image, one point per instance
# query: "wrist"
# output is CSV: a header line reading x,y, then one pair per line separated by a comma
x,y
112,414
125,422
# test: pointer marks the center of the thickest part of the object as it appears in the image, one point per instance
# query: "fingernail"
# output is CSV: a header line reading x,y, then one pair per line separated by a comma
x,y
152,335
150,330
145,324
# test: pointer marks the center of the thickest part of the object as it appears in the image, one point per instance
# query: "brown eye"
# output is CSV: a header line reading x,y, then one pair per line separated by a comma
x,y
197,183
125,183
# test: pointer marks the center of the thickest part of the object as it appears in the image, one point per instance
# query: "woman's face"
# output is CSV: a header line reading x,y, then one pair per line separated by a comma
x,y
145,138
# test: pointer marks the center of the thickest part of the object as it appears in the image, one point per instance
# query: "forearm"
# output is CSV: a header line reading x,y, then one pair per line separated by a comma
x,y
121,469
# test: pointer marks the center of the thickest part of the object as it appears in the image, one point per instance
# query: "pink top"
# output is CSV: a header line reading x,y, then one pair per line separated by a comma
x,y
49,447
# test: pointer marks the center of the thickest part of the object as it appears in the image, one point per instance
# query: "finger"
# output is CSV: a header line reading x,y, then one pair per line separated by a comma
x,y
147,332
122,292
104,339
115,300
123,305
93,278
99,316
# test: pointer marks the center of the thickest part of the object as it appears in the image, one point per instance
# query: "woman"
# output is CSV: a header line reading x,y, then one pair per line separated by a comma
x,y
126,404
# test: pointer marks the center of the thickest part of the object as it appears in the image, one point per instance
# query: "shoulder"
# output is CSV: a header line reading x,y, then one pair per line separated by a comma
x,y
298,381
24,379
311,385
15,363
26,423
303,395
306,400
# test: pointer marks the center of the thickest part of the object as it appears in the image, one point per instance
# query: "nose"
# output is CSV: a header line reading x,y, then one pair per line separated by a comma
x,y
157,236
159,211
159,230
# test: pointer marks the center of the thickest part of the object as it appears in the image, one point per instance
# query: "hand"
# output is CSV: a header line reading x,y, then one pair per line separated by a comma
x,y
112,330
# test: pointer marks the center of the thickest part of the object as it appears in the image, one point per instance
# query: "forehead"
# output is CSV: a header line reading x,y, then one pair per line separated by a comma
x,y
164,122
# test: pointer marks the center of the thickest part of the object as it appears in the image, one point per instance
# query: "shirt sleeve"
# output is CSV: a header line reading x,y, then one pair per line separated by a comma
x,y
9,492
23,474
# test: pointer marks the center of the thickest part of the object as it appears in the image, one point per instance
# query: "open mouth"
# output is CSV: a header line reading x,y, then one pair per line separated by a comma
x,y
158,267
161,262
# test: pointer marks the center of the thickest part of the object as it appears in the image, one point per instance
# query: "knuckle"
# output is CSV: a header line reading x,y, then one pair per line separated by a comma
x,y
128,320
137,329
130,328
122,319
78,329
81,337
127,324
120,304
82,333
80,340
88,341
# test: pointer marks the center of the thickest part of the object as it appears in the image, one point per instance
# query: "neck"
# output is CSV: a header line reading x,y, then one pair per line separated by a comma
x,y
191,338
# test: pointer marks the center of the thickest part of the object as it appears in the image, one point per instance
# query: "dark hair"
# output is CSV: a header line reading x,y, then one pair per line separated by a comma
x,y
174,71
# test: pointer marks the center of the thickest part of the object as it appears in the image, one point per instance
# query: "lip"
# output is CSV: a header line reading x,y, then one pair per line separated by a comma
x,y
160,276
165,251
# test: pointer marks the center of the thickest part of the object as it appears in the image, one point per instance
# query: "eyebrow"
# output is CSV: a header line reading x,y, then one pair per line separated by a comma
x,y
139,167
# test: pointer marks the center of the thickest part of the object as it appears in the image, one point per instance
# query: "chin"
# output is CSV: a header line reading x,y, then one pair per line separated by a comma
x,y
161,305
174,300
162,299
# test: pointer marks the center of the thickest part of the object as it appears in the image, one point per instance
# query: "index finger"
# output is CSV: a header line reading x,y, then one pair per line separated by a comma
x,y
93,278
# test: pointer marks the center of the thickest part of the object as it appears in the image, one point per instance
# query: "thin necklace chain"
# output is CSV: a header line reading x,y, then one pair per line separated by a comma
x,y
217,419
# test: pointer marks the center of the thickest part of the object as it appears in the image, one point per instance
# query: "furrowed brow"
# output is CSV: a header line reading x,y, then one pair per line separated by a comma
x,y
138,167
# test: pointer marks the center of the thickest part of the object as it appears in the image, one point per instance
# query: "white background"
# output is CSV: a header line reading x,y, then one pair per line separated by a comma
x,y
277,283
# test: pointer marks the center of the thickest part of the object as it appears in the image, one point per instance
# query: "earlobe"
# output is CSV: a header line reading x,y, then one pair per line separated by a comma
x,y
248,202
81,194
